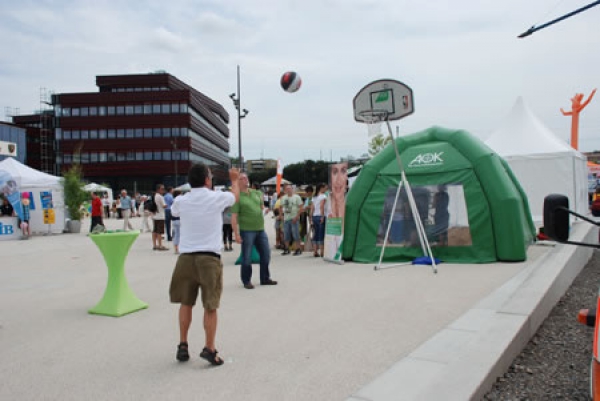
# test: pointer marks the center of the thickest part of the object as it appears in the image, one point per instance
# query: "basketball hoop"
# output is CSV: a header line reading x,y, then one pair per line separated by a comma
x,y
374,120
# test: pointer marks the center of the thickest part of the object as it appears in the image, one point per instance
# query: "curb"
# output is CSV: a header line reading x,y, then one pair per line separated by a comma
x,y
463,360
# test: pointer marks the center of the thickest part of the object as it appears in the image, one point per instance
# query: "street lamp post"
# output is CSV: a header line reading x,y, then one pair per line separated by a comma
x,y
242,113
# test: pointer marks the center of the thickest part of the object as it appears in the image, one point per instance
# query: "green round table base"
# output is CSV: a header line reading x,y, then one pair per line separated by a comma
x,y
118,299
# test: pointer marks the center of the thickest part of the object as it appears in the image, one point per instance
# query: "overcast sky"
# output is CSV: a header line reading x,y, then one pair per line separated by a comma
x,y
461,58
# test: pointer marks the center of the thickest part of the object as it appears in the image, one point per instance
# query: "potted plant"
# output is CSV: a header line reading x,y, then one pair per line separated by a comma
x,y
74,196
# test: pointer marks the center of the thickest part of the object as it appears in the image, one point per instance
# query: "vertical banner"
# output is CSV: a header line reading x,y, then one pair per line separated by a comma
x,y
10,189
335,210
47,206
279,176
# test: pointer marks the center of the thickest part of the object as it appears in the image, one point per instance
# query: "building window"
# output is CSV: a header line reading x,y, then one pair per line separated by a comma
x,y
156,109
157,155
129,110
101,110
85,134
130,156
75,134
147,155
68,158
166,132
156,132
112,134
175,108
129,133
165,108
111,157
93,134
139,133
93,111
166,155
58,132
147,132
120,110
93,157
111,111
75,112
67,135
175,132
102,134
138,109
121,133
85,158
84,111
120,157
139,156
66,112
147,109
102,157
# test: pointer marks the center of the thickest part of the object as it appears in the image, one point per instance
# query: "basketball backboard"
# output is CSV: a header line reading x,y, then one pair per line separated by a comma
x,y
384,97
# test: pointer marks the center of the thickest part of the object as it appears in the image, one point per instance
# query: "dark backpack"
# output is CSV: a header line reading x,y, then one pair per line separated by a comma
x,y
150,204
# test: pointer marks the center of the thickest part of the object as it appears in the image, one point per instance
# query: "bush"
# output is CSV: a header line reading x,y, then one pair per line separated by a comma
x,y
74,193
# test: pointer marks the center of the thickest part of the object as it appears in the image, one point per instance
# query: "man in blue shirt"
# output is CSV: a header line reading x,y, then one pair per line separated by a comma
x,y
169,202
126,210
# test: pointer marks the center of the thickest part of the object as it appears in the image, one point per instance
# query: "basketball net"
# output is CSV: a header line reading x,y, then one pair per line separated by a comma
x,y
374,120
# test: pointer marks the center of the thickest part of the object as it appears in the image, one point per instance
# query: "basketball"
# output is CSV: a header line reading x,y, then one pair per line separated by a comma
x,y
290,82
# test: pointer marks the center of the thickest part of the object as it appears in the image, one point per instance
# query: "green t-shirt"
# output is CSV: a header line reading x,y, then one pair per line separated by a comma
x,y
249,211
290,206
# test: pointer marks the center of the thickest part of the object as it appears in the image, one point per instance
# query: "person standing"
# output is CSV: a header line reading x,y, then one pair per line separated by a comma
x,y
145,214
227,230
168,201
249,229
126,210
318,219
199,265
159,219
106,204
96,211
176,223
292,208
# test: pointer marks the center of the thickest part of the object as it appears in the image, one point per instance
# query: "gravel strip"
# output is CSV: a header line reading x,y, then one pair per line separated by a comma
x,y
555,364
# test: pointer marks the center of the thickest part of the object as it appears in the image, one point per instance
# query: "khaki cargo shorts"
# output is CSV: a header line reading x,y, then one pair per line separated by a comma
x,y
194,271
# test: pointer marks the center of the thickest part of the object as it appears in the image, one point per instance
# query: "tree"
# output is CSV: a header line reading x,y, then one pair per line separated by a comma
x,y
73,191
378,143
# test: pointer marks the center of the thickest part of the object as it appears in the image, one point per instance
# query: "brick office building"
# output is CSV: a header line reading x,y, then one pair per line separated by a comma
x,y
140,130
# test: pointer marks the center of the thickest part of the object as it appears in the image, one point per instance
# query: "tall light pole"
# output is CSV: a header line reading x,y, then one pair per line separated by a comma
x,y
242,113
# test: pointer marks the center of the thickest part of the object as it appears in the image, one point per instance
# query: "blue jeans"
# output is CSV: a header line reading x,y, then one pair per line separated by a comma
x,y
261,242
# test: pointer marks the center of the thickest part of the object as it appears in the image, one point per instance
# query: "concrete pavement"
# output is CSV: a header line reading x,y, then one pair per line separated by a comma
x,y
326,332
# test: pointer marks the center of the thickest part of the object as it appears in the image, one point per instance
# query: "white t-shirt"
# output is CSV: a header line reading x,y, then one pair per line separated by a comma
x,y
201,213
317,201
160,207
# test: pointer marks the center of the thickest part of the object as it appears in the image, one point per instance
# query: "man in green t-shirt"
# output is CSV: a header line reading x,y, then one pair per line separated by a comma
x,y
291,207
249,230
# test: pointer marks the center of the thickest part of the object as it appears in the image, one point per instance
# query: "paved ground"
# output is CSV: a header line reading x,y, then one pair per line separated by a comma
x,y
322,334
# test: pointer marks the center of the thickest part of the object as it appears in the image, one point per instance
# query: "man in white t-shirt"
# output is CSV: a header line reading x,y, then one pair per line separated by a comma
x,y
159,219
199,264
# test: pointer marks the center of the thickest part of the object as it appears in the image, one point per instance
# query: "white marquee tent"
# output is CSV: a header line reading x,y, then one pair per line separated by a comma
x,y
541,161
30,180
100,189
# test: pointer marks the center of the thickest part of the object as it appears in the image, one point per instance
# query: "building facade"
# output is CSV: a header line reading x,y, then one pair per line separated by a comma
x,y
140,130
14,134
39,140
260,165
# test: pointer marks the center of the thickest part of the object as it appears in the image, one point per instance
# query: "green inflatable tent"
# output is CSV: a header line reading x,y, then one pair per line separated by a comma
x,y
472,207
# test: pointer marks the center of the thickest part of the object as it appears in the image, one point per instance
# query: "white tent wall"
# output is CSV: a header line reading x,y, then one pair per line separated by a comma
x,y
542,162
541,175
36,221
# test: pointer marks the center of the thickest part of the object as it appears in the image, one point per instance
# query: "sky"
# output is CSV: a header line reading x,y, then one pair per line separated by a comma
x,y
461,58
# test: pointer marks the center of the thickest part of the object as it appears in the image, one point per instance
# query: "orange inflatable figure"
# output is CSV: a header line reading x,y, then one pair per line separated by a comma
x,y
576,107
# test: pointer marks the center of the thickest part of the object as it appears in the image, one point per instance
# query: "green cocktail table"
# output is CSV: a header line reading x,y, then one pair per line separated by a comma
x,y
118,299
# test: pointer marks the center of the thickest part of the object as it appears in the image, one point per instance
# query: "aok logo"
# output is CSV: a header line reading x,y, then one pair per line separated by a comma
x,y
427,159
6,229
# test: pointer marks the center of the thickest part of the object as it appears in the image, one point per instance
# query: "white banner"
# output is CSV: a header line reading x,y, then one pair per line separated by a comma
x,y
8,149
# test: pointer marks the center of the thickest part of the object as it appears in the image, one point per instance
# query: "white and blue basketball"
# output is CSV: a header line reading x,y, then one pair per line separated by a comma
x,y
291,82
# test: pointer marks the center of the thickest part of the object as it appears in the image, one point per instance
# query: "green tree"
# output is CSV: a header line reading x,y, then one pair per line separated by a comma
x,y
73,191
262,175
378,143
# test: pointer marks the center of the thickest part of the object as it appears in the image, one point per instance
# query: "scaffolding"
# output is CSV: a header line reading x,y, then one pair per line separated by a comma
x,y
47,148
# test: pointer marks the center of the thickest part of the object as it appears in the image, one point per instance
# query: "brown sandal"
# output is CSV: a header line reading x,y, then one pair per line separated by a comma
x,y
212,357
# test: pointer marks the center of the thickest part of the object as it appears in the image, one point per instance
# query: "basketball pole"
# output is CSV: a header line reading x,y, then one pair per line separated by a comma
x,y
413,205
